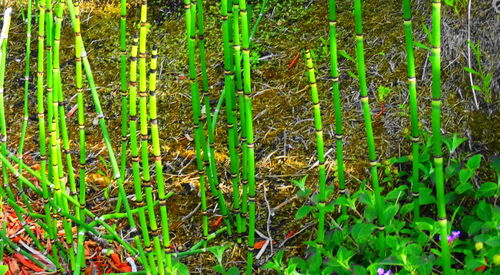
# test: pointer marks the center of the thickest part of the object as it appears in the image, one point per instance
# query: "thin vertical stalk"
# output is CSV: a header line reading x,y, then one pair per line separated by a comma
x,y
436,133
241,104
206,100
259,18
232,127
24,126
412,88
160,181
318,125
247,88
337,104
143,125
134,150
360,58
4,34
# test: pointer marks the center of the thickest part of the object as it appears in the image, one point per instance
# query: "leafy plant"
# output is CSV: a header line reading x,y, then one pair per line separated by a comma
x,y
485,88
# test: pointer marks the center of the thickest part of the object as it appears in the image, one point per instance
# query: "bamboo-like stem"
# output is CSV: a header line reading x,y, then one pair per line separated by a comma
x,y
241,104
139,200
206,99
360,61
160,181
412,88
436,134
3,125
232,127
55,124
156,267
24,126
259,18
247,88
124,97
318,125
334,73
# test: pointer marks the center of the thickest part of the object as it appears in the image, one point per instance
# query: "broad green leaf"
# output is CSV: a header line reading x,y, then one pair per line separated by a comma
x,y
303,211
218,252
474,162
474,227
487,189
362,231
483,211
300,183
346,55
3,269
463,187
424,226
390,212
464,175
494,241
477,88
407,208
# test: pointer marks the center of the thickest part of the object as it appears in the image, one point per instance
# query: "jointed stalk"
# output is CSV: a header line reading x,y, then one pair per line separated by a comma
x,y
436,133
412,87
247,88
320,146
360,58
334,73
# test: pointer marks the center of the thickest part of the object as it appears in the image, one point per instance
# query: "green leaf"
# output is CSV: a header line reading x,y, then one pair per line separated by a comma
x,y
477,88
362,231
483,211
463,187
486,190
424,226
3,269
494,241
303,211
353,75
474,227
474,162
426,197
464,175
422,46
180,269
390,212
233,271
346,55
218,252
219,268
300,183
472,71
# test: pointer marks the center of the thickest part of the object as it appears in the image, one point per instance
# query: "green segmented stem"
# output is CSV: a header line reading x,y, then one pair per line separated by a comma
x,y
318,125
241,105
155,137
206,99
49,37
337,104
157,267
232,127
360,61
3,125
412,88
124,96
18,249
436,134
139,200
247,88
24,126
259,18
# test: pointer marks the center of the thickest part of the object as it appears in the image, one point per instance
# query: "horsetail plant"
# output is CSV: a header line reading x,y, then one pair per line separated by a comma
x,y
210,157
160,181
143,125
229,87
24,126
247,88
412,87
4,34
334,73
139,200
360,62
318,125
436,134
